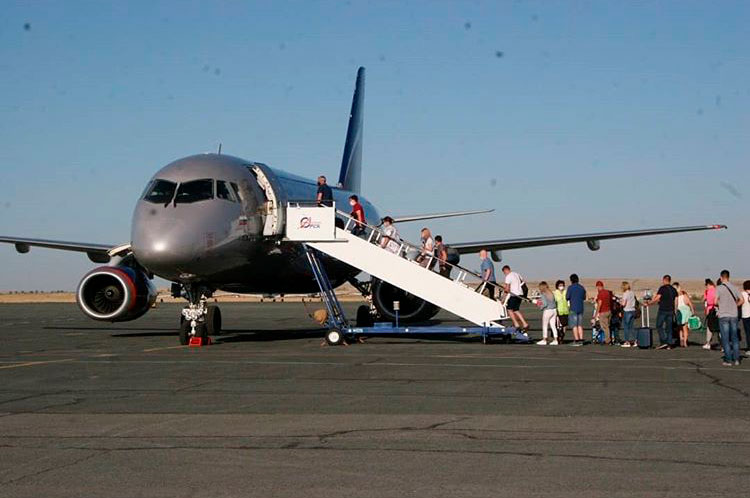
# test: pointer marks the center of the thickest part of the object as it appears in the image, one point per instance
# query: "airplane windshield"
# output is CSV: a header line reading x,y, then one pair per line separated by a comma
x,y
161,192
195,191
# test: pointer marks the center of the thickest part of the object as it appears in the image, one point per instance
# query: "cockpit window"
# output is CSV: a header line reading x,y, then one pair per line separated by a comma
x,y
236,191
195,191
160,192
223,191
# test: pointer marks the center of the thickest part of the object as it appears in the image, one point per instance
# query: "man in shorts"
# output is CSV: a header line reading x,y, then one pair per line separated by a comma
x,y
576,295
514,287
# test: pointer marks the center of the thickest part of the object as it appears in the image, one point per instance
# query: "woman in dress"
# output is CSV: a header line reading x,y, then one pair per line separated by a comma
x,y
684,306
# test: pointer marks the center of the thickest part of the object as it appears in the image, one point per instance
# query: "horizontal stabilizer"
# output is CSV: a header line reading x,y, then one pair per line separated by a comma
x,y
432,216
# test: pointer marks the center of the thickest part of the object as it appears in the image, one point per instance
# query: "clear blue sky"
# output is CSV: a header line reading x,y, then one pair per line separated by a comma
x,y
564,116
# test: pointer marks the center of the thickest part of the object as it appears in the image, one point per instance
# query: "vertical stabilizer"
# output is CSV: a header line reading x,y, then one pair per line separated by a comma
x,y
350,176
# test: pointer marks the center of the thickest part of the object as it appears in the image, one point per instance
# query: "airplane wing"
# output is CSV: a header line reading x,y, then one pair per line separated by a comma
x,y
98,253
591,239
431,216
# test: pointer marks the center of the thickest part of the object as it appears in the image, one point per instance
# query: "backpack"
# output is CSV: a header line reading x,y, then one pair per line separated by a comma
x,y
524,287
451,255
615,306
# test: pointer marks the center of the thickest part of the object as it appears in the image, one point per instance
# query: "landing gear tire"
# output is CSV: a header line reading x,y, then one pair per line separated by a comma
x,y
213,320
185,330
334,337
364,317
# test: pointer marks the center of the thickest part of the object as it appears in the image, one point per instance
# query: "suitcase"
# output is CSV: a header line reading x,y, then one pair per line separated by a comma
x,y
645,335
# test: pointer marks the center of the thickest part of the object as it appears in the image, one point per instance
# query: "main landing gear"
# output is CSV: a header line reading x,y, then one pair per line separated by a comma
x,y
198,319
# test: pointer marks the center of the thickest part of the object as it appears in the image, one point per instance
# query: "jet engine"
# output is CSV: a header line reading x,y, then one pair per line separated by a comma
x,y
115,293
412,308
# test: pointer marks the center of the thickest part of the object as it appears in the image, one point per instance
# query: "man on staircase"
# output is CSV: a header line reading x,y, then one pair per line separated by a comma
x,y
514,286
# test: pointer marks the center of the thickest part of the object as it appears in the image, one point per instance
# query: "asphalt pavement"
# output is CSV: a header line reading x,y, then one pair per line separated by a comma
x,y
121,410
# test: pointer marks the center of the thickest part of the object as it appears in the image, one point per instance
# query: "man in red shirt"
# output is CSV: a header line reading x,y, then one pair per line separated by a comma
x,y
603,310
358,213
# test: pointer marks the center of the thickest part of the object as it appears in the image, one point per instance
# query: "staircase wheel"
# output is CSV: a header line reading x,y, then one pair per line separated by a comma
x,y
334,337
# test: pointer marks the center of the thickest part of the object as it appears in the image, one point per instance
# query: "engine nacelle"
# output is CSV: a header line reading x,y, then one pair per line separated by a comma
x,y
115,294
412,308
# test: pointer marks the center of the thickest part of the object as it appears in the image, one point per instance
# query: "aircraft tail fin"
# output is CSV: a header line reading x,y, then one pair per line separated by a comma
x,y
350,176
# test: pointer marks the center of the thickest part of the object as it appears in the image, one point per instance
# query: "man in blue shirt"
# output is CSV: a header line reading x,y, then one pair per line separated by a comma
x,y
487,271
576,295
325,194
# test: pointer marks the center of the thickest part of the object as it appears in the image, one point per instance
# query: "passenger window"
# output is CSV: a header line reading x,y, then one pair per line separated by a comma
x,y
195,191
223,192
160,192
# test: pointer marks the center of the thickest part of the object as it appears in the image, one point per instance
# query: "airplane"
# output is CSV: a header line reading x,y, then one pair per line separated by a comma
x,y
212,222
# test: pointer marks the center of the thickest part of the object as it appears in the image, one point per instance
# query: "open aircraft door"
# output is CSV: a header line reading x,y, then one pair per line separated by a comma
x,y
275,200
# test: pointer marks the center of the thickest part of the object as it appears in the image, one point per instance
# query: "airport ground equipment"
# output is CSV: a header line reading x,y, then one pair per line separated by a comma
x,y
316,227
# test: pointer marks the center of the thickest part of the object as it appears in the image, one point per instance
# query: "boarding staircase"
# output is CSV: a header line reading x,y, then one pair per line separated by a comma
x,y
315,226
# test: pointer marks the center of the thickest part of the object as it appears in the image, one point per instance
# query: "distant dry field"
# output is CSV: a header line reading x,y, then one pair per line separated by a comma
x,y
348,293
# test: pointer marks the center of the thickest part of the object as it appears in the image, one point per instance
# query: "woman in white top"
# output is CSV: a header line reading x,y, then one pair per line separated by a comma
x,y
628,315
390,241
746,314
684,305
549,314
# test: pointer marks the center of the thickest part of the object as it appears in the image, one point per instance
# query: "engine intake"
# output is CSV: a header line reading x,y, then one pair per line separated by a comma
x,y
115,294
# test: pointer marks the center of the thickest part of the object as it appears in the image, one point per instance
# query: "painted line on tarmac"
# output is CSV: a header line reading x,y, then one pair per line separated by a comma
x,y
398,364
151,350
35,363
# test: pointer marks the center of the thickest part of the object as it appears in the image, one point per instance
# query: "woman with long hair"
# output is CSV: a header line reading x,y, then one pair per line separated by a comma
x,y
684,306
709,306
628,315
549,314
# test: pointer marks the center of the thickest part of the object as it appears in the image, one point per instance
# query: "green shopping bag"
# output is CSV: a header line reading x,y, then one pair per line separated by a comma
x,y
694,323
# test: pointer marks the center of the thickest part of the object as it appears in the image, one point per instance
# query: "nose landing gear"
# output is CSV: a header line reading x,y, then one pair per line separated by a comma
x,y
198,319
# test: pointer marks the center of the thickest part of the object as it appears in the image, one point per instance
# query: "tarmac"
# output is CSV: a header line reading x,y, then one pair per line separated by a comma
x,y
97,409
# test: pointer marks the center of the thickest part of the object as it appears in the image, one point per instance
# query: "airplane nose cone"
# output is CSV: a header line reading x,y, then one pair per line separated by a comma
x,y
163,246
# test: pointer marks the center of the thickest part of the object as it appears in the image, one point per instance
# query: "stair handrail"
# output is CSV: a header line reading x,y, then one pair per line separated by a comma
x,y
406,246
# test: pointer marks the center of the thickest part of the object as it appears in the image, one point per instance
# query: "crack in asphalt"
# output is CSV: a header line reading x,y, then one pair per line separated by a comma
x,y
323,438
717,381
95,454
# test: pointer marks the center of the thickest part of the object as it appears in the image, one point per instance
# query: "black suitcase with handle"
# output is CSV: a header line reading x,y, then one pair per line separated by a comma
x,y
645,335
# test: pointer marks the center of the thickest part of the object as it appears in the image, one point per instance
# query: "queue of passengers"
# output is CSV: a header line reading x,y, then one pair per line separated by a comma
x,y
724,306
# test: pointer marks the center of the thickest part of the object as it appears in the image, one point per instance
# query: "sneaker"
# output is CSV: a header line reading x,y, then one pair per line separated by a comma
x,y
625,345
543,342
726,363
707,346
577,343
554,343
747,354
663,346
736,363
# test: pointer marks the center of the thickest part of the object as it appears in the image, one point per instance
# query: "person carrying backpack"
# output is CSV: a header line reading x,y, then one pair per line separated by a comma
x,y
563,310
727,301
603,310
